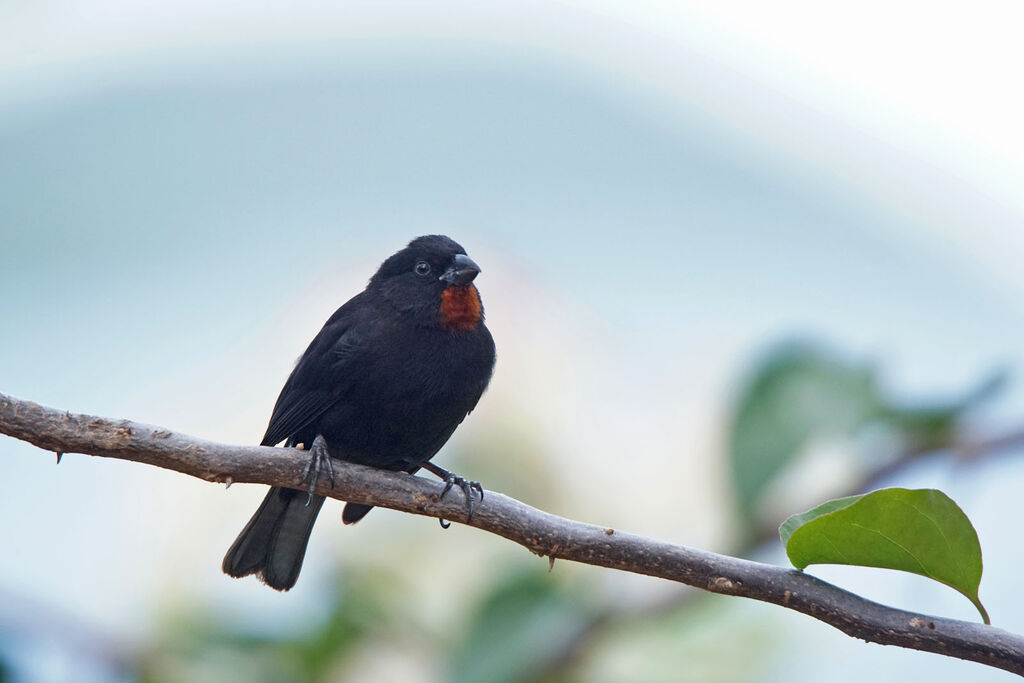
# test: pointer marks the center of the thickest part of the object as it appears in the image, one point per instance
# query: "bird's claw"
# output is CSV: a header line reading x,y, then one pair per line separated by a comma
x,y
319,463
467,487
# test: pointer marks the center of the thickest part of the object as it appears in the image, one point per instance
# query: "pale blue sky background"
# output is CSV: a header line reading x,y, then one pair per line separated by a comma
x,y
187,191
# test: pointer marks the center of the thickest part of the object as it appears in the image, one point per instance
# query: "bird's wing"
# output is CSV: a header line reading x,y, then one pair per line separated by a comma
x,y
293,412
319,378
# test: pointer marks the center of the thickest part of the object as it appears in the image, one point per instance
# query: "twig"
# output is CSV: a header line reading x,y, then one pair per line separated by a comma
x,y
541,533
964,451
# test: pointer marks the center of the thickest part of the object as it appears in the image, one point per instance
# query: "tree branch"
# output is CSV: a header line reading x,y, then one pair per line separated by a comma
x,y
539,532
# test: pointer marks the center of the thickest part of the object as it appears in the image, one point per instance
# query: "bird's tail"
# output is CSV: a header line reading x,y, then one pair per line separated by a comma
x,y
353,512
273,543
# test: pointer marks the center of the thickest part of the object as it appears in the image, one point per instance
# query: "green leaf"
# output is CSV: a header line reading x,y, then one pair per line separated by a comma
x,y
796,521
919,531
799,391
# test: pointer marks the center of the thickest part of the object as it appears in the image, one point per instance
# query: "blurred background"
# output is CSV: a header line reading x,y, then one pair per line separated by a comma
x,y
737,260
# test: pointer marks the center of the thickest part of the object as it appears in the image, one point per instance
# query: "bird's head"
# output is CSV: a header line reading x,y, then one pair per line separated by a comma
x,y
432,280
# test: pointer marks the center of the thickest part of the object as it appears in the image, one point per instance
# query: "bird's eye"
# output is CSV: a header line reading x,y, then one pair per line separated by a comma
x,y
422,268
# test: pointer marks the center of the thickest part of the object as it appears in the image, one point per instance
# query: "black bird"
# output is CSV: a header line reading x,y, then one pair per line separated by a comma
x,y
385,383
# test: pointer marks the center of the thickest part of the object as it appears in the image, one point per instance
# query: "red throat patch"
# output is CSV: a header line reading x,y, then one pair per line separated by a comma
x,y
460,308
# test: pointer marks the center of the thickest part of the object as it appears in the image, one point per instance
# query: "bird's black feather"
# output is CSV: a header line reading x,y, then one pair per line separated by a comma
x,y
385,382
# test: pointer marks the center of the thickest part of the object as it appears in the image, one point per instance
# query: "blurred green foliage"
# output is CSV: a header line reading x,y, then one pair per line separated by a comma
x,y
523,626
802,391
192,647
797,392
693,636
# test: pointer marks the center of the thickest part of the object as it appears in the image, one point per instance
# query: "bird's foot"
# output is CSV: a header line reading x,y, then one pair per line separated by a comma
x,y
451,480
467,486
319,464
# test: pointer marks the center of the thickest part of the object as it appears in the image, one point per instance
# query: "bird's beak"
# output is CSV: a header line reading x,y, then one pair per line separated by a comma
x,y
462,272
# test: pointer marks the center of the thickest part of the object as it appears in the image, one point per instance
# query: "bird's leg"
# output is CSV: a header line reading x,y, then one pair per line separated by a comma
x,y
451,480
319,463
